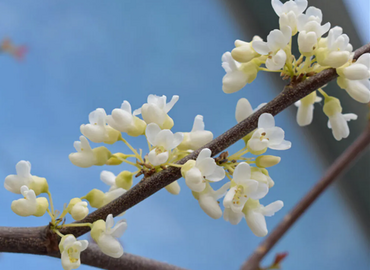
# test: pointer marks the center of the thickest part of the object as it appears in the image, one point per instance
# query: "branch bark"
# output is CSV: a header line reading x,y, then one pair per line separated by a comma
x,y
41,241
338,167
149,186
94,257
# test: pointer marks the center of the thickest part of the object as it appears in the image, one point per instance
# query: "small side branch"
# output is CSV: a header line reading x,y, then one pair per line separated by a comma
x,y
338,167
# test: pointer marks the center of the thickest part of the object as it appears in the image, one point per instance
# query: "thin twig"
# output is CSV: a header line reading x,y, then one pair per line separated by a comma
x,y
339,166
149,186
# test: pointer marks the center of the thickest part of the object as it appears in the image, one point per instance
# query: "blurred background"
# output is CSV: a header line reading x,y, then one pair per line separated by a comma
x,y
84,55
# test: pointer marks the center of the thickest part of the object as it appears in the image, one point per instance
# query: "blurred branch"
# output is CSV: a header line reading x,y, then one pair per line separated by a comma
x,y
149,186
41,241
338,167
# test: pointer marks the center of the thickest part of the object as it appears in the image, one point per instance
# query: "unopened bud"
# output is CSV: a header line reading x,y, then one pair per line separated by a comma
x,y
116,159
267,161
96,198
78,209
42,206
102,155
124,180
187,166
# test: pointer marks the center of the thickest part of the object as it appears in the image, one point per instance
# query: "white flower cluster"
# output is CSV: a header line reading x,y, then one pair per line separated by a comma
x,y
317,53
247,184
102,232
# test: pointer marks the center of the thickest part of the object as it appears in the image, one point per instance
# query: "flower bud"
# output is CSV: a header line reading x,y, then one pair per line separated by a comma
x,y
113,135
42,206
96,198
173,188
124,180
187,166
168,123
332,106
267,161
138,127
102,155
78,209
116,159
98,228
39,185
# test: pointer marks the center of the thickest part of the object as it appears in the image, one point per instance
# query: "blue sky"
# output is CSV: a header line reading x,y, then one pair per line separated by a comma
x,y
84,55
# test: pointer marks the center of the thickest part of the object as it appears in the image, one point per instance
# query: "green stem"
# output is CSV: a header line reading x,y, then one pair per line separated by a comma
x,y
133,150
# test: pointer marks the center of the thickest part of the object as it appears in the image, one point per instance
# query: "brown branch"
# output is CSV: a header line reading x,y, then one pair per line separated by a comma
x,y
94,257
41,241
151,185
339,166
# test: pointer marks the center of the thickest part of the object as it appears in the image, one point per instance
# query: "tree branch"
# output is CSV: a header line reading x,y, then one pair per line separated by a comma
x,y
41,241
149,186
338,167
94,257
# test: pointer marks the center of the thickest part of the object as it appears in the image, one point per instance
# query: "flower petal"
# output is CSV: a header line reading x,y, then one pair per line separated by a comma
x,y
257,223
242,171
243,109
272,208
108,178
151,132
266,120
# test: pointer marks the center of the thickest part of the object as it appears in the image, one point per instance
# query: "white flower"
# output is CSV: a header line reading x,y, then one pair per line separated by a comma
x,y
244,51
245,185
106,235
335,50
70,249
114,192
337,121
123,120
255,215
98,131
355,79
84,157
30,205
13,183
208,200
244,109
163,142
78,209
27,206
305,109
310,30
237,75
197,137
205,168
155,111
277,40
288,12
267,135
233,217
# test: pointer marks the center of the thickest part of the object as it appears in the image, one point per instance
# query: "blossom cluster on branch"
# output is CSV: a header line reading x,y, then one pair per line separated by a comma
x,y
317,54
247,179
